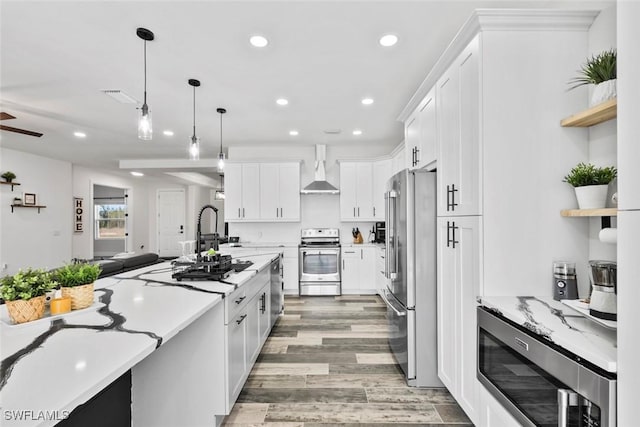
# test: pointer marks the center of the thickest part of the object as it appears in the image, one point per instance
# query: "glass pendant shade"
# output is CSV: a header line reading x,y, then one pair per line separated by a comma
x,y
220,162
145,128
194,148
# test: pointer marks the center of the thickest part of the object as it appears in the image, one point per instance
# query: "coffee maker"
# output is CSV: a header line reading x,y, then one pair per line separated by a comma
x,y
379,232
604,290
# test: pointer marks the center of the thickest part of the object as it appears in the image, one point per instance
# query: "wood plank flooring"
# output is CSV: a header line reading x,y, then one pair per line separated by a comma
x,y
327,362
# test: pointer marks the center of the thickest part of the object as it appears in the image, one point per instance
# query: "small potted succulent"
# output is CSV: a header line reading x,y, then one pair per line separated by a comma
x,y
76,282
8,176
600,70
24,293
591,184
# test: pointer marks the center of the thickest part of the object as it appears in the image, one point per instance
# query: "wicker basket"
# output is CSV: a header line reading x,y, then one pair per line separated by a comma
x,y
21,311
81,296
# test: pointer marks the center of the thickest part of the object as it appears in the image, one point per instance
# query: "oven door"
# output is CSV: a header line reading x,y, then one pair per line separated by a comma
x,y
319,264
536,383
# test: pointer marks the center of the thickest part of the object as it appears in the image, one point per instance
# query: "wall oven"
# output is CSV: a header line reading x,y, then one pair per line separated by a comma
x,y
539,383
319,262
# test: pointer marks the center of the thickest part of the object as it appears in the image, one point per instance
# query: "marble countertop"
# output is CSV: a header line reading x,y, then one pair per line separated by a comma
x,y
561,325
56,365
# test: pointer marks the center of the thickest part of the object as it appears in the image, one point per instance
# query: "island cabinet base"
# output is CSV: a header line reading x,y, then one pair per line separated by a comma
x,y
183,382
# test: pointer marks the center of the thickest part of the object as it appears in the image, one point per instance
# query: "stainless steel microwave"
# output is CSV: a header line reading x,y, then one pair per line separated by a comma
x,y
539,383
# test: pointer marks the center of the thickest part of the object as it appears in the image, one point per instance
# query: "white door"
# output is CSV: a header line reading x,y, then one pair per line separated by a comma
x,y
381,174
364,176
233,192
290,191
368,270
269,191
428,132
250,191
412,138
171,223
350,270
348,191
446,306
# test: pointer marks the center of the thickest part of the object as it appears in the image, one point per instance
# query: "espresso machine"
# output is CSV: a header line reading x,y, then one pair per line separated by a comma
x,y
603,302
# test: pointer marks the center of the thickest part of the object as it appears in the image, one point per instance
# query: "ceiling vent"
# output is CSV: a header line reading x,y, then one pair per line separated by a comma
x,y
119,96
332,131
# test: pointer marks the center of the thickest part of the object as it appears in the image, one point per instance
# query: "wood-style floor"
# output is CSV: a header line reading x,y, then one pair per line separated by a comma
x,y
327,362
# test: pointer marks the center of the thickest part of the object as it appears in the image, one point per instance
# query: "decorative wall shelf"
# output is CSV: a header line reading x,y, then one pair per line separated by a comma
x,y
12,184
604,213
28,206
597,114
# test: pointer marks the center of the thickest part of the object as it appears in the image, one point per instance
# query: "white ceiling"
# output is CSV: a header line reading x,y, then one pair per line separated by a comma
x,y
323,56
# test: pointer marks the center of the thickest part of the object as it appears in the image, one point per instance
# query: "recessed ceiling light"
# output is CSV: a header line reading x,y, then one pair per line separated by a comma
x,y
293,132
282,101
258,41
367,101
388,40
80,134
134,173
168,133
357,132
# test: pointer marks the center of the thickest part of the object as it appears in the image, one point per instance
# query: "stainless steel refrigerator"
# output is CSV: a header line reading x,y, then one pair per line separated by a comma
x,y
410,269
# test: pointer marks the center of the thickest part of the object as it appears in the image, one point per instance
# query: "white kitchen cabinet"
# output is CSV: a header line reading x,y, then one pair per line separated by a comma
x,y
236,355
458,108
358,270
242,192
492,413
459,243
381,279
264,313
280,191
253,328
356,191
381,174
421,134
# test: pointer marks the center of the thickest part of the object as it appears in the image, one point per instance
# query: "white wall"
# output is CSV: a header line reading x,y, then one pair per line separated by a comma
x,y
29,238
603,137
316,210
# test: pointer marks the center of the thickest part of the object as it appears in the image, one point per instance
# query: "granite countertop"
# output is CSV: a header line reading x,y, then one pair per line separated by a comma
x,y
56,365
561,325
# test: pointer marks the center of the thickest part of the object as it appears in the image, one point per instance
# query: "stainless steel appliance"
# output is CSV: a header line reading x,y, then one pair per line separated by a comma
x,y
603,302
565,284
410,267
379,232
319,259
277,291
539,383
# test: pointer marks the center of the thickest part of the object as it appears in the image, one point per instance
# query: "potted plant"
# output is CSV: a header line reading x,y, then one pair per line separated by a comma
x,y
599,70
76,282
591,184
24,293
8,176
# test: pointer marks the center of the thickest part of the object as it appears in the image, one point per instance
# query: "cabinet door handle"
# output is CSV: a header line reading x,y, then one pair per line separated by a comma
x,y
374,211
343,264
281,213
241,319
276,212
453,240
239,213
239,300
349,252
448,225
448,203
242,212
417,157
354,212
358,211
451,197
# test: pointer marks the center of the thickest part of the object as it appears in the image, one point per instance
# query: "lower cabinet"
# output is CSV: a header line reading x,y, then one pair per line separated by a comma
x,y
492,413
290,276
236,355
381,280
458,286
359,270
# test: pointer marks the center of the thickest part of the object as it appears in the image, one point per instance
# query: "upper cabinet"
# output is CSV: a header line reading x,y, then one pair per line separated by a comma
x,y
459,190
381,174
356,192
280,191
421,135
259,192
242,186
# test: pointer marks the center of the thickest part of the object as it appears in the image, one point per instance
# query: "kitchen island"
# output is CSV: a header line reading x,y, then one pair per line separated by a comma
x,y
173,336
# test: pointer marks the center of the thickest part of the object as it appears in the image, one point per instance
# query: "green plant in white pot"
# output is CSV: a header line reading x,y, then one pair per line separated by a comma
x,y
600,70
591,184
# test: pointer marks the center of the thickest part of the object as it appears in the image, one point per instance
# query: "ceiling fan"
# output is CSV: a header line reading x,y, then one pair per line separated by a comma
x,y
7,116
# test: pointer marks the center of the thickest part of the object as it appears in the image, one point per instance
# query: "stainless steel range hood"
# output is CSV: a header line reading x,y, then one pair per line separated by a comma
x,y
320,185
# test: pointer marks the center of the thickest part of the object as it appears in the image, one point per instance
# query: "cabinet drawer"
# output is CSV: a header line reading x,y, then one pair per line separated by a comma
x,y
234,303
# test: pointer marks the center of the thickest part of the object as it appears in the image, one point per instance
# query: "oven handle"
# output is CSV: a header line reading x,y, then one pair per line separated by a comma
x,y
390,305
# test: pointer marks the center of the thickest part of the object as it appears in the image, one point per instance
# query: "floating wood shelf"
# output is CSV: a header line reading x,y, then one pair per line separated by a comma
x,y
12,184
590,212
28,206
597,114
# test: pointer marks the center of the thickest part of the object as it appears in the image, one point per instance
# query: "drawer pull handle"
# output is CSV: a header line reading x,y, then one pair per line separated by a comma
x,y
239,300
241,319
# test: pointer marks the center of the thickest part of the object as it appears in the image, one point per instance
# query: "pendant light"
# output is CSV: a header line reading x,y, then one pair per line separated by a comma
x,y
145,129
194,143
221,154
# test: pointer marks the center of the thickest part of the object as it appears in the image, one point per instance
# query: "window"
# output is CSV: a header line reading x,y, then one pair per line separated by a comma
x,y
110,221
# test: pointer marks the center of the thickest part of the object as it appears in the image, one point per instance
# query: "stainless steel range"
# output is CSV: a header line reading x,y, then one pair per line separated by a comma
x,y
319,259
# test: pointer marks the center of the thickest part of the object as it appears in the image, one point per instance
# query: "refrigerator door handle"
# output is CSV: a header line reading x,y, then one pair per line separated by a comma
x,y
386,236
390,305
392,237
